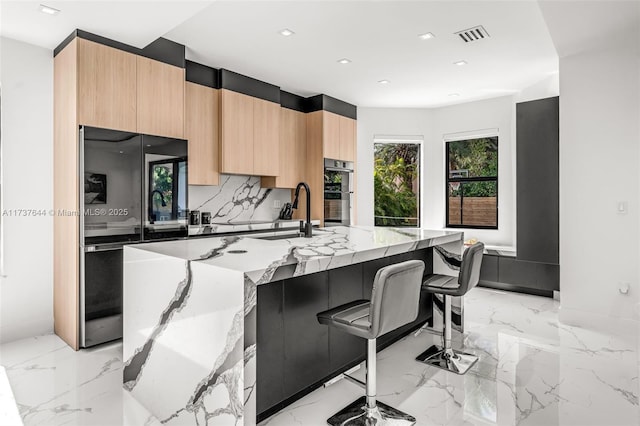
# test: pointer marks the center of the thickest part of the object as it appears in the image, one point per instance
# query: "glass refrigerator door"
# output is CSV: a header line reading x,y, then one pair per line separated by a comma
x,y
112,186
165,188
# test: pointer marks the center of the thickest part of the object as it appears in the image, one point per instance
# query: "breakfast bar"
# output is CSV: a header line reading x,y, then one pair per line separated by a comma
x,y
200,314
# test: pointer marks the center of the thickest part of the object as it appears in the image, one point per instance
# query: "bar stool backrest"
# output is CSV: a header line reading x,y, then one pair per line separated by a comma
x,y
396,296
470,269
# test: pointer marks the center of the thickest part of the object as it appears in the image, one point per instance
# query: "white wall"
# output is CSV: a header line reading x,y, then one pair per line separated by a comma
x,y
599,157
26,293
433,124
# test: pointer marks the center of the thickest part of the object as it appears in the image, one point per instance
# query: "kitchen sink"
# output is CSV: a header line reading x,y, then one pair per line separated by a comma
x,y
286,235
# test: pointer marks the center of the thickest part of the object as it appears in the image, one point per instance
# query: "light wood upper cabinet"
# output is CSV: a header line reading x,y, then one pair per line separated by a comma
x,y
106,87
347,139
201,130
236,124
250,135
160,98
293,150
331,135
266,138
338,137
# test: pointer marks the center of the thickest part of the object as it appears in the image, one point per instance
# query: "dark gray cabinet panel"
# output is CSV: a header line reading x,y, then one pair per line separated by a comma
x,y
306,346
508,273
489,268
270,339
512,271
345,285
537,171
548,277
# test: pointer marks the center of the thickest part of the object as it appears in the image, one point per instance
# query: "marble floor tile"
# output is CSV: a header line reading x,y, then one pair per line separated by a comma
x,y
532,370
9,414
54,385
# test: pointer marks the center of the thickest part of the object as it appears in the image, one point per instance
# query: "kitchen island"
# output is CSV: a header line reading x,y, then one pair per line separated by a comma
x,y
198,335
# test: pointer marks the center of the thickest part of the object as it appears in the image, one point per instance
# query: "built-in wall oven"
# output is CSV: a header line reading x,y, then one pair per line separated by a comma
x,y
338,192
133,189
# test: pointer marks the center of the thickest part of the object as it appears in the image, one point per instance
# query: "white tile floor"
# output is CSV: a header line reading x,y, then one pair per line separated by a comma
x,y
532,371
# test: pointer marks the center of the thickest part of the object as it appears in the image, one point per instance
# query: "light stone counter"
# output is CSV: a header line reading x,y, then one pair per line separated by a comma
x,y
190,310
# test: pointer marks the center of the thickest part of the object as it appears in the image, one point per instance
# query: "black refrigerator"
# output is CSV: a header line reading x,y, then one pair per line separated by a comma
x,y
133,190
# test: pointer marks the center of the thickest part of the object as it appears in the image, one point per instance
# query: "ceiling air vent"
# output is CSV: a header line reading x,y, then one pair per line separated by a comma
x,y
473,34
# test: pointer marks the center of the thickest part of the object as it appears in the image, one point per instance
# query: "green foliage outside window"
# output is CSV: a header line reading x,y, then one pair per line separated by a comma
x,y
395,175
474,158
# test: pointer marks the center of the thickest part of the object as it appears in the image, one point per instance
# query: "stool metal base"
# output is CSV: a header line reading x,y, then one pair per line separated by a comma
x,y
447,359
357,414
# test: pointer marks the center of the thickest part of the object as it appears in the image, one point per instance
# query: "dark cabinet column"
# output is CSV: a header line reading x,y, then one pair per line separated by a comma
x,y
306,346
345,285
538,181
270,339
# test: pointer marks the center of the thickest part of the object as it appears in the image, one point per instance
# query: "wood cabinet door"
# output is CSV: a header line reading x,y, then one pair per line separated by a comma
x,y
347,139
106,87
266,138
300,148
160,89
201,130
331,135
236,124
293,150
289,162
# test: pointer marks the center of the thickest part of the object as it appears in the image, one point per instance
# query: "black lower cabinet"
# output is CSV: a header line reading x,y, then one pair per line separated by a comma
x,y
306,343
296,354
345,285
270,339
509,273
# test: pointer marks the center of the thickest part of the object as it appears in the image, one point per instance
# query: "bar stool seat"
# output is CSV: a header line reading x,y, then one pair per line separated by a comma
x,y
394,303
445,357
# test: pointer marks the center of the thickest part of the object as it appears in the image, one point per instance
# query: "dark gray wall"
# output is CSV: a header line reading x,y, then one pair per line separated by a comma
x,y
537,171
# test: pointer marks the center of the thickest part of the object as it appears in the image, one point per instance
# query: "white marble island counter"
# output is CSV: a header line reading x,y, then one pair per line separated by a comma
x,y
189,310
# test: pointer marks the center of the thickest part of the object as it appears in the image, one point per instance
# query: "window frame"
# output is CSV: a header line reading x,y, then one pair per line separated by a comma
x,y
463,180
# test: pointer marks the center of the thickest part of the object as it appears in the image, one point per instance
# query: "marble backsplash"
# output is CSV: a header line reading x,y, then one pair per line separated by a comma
x,y
238,199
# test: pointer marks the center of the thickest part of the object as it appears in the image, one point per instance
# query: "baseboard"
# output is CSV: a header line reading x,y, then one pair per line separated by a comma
x,y
518,289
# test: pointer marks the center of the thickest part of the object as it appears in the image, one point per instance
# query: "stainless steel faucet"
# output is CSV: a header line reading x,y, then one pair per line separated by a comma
x,y
306,228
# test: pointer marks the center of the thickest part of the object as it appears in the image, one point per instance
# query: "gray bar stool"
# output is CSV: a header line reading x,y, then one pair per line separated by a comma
x,y
446,357
394,303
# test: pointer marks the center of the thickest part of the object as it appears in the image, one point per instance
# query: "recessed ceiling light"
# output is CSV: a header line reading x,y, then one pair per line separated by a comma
x,y
460,63
384,81
48,10
344,61
426,36
286,32
121,152
454,95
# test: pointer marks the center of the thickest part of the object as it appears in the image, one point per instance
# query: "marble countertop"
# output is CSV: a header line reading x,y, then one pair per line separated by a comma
x,y
328,248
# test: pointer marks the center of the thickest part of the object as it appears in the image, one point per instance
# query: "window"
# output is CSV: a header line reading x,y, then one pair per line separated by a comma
x,y
472,183
396,177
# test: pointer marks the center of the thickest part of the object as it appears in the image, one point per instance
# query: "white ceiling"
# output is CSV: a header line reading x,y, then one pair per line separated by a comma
x,y
380,37
136,23
580,25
